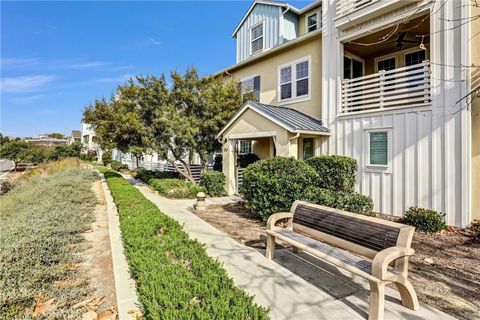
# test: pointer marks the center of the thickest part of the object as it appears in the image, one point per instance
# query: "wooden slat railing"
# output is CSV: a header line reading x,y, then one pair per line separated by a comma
x,y
347,6
401,87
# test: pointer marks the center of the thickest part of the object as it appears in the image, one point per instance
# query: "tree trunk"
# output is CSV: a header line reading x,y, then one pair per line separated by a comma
x,y
187,175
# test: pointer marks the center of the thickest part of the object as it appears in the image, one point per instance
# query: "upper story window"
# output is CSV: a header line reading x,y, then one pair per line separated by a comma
x,y
256,38
251,86
386,64
312,22
294,80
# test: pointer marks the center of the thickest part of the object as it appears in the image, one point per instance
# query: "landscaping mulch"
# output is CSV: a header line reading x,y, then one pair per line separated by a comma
x,y
444,271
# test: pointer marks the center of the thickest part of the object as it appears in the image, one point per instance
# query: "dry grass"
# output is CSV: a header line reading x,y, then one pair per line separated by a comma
x,y
41,223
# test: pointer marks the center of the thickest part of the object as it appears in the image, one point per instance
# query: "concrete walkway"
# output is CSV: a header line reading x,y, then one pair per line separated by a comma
x,y
293,286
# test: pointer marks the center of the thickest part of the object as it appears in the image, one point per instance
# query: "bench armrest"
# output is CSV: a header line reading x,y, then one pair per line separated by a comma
x,y
278,216
383,258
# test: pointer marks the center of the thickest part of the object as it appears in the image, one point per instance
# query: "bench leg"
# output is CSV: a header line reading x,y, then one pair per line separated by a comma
x,y
408,295
296,250
270,246
377,300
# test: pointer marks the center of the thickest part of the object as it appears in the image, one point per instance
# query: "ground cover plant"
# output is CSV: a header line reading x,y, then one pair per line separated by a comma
x,y
42,221
175,277
169,184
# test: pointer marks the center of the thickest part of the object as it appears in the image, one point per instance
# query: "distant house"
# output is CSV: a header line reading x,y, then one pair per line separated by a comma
x,y
45,141
75,137
390,83
89,140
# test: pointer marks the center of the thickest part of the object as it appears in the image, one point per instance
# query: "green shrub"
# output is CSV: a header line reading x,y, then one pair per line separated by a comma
x,y
474,230
272,185
214,183
352,202
145,175
107,157
337,173
244,160
175,277
425,219
117,165
355,202
175,188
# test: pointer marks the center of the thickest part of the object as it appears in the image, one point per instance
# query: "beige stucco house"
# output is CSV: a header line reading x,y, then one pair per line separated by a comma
x,y
391,83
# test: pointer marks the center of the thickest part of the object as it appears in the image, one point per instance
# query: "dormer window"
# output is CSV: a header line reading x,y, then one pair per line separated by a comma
x,y
312,22
256,38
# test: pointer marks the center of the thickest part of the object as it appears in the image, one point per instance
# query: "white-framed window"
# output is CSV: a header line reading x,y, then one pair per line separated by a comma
x,y
245,147
386,64
294,80
251,85
379,148
311,22
256,38
308,148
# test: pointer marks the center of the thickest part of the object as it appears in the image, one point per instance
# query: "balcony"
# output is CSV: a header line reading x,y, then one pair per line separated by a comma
x,y
398,88
353,12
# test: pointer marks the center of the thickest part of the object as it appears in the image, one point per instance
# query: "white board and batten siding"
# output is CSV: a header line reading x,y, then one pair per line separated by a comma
x,y
430,155
270,15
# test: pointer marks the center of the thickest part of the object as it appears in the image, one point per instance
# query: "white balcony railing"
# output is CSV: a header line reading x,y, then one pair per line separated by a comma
x,y
397,88
347,6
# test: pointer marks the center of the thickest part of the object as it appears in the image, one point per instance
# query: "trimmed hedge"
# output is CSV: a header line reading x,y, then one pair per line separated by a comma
x,y
352,202
175,277
336,173
145,175
427,220
272,185
117,165
213,182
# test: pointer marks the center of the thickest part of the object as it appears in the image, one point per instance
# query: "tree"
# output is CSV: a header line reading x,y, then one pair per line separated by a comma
x,y
56,135
21,151
176,122
64,151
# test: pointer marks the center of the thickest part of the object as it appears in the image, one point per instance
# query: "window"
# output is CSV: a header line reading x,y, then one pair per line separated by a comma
x,y
251,86
294,80
386,64
352,68
245,147
312,22
414,58
256,38
307,148
379,148
286,83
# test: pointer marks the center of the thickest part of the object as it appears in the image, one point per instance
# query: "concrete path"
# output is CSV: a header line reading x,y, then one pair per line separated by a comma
x,y
293,286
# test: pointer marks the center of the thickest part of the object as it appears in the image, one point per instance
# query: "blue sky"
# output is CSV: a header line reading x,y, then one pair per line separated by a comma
x,y
57,57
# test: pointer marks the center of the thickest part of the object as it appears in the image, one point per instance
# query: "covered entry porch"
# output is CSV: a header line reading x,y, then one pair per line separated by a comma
x,y
267,131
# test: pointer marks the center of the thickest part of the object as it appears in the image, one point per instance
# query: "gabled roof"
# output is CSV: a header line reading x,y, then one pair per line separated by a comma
x,y
267,2
274,3
290,119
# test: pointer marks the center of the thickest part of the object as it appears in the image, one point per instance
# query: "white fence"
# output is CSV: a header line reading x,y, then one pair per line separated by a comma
x,y
401,87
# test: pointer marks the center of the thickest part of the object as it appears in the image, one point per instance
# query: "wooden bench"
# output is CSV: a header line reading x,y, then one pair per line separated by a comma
x,y
372,248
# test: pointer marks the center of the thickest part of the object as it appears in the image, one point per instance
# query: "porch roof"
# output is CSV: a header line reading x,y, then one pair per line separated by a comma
x,y
291,119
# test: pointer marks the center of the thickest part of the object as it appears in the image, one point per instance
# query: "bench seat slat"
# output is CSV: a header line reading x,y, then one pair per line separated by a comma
x,y
336,253
369,234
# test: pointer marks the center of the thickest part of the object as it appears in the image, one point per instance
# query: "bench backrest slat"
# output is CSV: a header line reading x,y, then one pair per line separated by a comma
x,y
362,232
